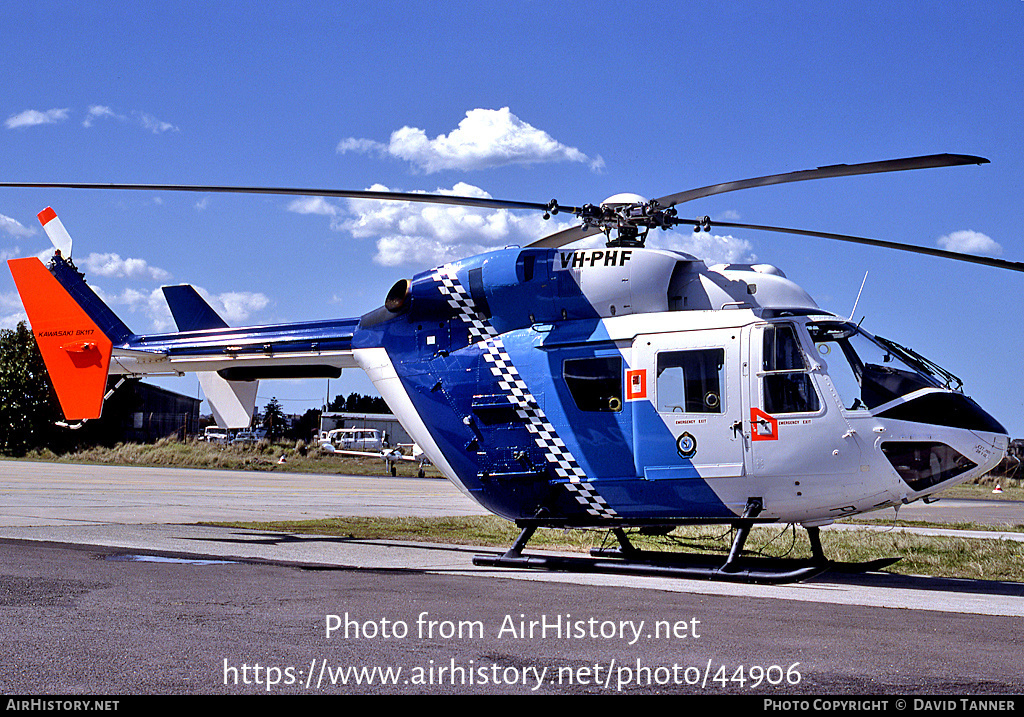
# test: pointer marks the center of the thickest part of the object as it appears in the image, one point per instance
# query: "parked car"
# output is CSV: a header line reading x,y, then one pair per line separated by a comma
x,y
215,434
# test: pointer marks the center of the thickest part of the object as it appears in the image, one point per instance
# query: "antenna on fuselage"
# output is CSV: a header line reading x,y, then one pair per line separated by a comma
x,y
857,300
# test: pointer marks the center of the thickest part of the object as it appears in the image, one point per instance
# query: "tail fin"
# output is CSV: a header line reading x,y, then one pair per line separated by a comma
x,y
74,329
233,402
190,311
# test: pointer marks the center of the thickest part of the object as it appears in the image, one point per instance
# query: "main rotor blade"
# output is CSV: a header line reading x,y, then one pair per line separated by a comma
x,y
958,256
343,193
566,236
835,170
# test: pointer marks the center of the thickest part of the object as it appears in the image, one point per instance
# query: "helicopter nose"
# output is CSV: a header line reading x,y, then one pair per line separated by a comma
x,y
946,408
924,463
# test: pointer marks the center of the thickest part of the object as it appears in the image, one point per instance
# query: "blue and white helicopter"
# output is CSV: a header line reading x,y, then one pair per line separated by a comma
x,y
618,388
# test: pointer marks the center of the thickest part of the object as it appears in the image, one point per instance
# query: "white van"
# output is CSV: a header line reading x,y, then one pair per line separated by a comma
x,y
369,440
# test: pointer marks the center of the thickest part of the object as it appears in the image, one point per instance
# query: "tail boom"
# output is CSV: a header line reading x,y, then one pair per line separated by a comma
x,y
82,341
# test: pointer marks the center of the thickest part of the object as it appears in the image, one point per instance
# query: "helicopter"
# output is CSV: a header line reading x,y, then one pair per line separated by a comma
x,y
618,387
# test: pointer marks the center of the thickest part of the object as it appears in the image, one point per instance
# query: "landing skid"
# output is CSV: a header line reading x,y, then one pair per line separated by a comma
x,y
627,560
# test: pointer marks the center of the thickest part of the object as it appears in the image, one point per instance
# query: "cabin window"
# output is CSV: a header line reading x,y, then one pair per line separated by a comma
x,y
595,383
691,381
787,386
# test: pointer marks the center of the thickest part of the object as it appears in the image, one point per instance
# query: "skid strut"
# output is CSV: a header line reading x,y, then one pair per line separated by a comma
x,y
627,559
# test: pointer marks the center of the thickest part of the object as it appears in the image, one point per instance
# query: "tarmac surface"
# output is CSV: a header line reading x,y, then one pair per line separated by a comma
x,y
108,586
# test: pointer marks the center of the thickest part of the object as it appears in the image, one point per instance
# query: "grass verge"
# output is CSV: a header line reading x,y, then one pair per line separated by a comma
x,y
955,557
297,458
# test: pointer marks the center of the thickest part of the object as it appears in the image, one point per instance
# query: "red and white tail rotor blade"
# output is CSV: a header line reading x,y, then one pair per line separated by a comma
x,y
54,229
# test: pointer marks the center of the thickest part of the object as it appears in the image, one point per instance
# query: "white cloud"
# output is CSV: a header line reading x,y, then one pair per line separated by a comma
x,y
143,119
149,304
314,205
710,248
112,265
11,310
154,125
235,307
970,242
484,138
14,227
423,233
11,321
99,111
30,118
431,234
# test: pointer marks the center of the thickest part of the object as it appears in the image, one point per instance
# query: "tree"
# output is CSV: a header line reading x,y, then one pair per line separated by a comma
x,y
28,406
274,419
306,426
358,403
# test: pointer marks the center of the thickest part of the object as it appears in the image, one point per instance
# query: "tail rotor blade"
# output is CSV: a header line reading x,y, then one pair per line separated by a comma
x,y
55,230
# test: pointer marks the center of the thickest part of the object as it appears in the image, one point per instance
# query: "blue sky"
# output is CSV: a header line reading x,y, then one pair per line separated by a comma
x,y
519,100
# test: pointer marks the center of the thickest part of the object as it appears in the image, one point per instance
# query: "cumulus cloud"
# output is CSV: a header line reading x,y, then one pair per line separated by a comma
x,y
484,138
11,310
30,118
431,234
411,232
316,205
147,303
711,248
15,228
970,242
112,265
235,307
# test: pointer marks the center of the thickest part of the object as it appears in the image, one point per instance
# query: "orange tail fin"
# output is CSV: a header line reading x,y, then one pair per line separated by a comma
x,y
75,350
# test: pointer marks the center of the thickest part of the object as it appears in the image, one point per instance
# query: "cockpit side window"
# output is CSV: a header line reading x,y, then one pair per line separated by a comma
x,y
786,384
866,372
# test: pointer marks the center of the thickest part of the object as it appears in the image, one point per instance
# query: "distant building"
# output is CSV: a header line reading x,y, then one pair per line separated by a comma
x,y
384,422
142,413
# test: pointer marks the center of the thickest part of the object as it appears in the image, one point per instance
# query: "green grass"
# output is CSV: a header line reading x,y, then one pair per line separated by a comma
x,y
967,558
261,457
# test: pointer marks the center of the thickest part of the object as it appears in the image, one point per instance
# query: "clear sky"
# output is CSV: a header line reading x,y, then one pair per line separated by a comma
x,y
520,100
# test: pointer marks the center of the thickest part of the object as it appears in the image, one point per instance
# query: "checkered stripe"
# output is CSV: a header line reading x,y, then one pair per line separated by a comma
x,y
458,299
481,331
